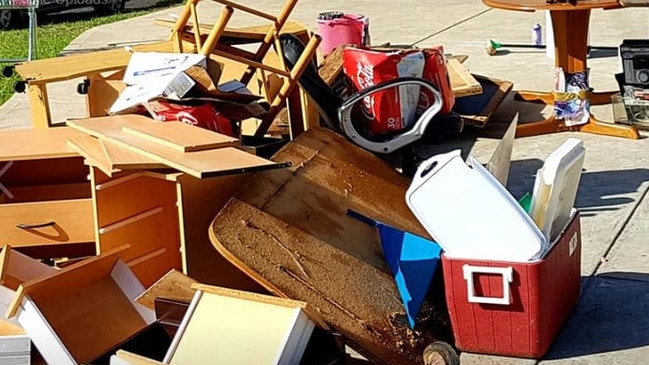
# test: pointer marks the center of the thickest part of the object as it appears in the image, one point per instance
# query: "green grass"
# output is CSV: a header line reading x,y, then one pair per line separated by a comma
x,y
51,39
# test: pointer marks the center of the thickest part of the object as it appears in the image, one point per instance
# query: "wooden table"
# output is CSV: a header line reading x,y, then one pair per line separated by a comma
x,y
570,25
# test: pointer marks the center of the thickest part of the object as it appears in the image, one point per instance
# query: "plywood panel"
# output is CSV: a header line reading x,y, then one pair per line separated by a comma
x,y
289,231
181,136
200,164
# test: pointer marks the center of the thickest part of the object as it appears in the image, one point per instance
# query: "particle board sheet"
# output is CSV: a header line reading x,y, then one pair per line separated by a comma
x,y
200,164
289,231
181,136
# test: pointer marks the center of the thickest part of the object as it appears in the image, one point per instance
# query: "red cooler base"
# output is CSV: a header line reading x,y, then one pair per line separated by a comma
x,y
522,317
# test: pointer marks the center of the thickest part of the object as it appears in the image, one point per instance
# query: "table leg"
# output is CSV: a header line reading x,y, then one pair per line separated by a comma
x,y
571,51
553,125
534,97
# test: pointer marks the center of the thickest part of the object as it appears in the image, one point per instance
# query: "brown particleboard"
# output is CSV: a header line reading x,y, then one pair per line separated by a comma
x,y
200,164
289,231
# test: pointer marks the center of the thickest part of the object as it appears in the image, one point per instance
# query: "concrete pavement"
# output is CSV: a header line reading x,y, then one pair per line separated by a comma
x,y
610,325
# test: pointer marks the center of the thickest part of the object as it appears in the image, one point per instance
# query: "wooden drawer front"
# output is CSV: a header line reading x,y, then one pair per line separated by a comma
x,y
72,223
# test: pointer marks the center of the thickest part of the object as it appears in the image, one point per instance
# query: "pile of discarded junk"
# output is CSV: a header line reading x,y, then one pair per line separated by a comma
x,y
232,199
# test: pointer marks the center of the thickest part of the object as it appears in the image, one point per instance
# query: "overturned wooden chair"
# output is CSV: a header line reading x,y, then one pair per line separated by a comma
x,y
261,65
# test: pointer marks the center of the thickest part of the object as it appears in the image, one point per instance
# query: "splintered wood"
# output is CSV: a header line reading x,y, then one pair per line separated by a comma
x,y
288,229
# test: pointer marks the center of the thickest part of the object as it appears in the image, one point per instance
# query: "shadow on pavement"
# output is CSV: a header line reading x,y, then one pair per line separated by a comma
x,y
610,316
598,191
601,190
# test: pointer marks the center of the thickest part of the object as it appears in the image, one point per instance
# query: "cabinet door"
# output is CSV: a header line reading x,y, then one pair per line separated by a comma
x,y
138,209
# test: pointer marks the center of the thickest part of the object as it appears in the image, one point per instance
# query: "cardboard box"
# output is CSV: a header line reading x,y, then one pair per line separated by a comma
x,y
514,309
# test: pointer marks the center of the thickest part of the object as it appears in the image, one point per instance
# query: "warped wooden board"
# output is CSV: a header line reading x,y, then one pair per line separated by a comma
x,y
200,164
108,157
462,82
289,231
181,136
90,148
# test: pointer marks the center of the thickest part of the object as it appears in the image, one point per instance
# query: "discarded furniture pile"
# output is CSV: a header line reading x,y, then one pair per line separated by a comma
x,y
228,201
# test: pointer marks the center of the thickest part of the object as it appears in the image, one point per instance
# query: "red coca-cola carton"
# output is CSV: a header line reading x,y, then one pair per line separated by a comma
x,y
436,72
393,109
201,114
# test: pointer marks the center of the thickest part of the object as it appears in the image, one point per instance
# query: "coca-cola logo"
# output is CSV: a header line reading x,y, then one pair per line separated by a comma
x,y
187,118
365,79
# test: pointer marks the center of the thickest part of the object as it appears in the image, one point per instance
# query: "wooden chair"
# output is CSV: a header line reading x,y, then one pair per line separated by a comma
x,y
277,82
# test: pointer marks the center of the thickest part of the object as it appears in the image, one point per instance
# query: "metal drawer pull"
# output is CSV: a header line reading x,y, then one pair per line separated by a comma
x,y
35,225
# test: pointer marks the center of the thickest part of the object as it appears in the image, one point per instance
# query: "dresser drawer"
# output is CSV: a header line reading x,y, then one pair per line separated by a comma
x,y
59,222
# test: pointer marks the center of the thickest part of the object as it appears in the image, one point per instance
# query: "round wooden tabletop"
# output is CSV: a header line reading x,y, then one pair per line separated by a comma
x,y
533,5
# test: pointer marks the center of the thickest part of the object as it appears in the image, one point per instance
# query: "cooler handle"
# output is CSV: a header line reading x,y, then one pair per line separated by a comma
x,y
507,274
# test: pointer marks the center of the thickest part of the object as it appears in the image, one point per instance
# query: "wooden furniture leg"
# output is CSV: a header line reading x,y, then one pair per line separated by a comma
x,y
594,126
571,50
39,105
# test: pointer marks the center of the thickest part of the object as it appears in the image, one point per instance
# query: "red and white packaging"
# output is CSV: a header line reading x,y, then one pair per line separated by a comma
x,y
435,71
202,114
393,109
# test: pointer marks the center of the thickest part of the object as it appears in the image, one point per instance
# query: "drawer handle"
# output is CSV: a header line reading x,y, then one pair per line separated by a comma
x,y
35,225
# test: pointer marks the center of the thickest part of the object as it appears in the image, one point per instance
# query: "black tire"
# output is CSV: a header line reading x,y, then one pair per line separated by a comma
x,y
108,7
440,353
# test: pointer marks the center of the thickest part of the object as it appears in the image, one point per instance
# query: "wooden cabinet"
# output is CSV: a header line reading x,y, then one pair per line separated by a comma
x,y
164,217
45,200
